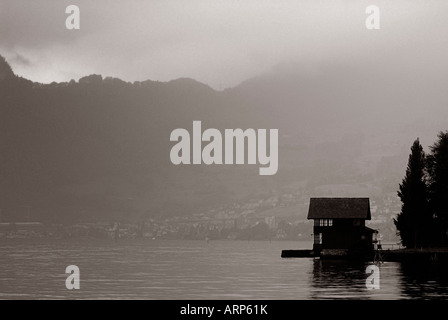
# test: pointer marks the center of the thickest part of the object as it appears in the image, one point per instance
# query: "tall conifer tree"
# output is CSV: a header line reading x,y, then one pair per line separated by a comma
x,y
414,221
437,164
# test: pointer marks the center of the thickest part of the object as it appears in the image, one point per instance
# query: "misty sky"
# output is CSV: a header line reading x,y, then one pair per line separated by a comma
x,y
218,42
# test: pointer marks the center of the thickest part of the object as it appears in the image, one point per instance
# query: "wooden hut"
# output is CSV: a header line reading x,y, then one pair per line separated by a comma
x,y
339,226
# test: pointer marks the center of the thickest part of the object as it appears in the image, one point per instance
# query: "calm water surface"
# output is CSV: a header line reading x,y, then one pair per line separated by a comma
x,y
156,269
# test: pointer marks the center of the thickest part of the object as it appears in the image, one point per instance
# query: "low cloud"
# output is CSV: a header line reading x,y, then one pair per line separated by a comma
x,y
221,43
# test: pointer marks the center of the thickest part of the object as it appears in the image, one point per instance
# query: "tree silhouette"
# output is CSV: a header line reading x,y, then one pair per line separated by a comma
x,y
414,221
5,69
437,164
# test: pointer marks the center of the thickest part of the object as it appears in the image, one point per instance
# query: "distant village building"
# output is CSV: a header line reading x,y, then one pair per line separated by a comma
x,y
21,229
339,226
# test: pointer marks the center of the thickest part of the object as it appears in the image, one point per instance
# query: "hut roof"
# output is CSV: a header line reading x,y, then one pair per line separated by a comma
x,y
339,208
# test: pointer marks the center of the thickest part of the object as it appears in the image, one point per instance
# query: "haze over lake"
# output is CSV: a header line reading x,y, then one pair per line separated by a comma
x,y
86,116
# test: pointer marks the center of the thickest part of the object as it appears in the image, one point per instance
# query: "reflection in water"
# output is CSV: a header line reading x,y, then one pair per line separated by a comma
x,y
339,279
424,279
200,270
333,279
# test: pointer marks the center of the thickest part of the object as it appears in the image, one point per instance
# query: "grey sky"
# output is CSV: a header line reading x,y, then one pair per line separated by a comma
x,y
218,42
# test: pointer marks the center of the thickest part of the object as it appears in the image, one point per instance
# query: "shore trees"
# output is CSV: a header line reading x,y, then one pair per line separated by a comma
x,y
437,168
423,220
415,218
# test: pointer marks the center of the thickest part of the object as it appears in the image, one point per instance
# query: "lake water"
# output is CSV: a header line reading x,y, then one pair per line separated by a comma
x,y
165,269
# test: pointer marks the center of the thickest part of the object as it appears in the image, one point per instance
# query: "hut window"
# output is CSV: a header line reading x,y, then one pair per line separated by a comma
x,y
326,222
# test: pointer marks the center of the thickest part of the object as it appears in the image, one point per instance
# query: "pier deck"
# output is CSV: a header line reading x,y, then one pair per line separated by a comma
x,y
398,255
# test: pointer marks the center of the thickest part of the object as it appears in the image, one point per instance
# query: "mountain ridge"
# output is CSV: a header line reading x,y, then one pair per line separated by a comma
x,y
98,148
5,70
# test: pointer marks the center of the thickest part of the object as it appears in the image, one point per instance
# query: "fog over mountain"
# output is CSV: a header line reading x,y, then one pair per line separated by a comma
x,y
98,148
